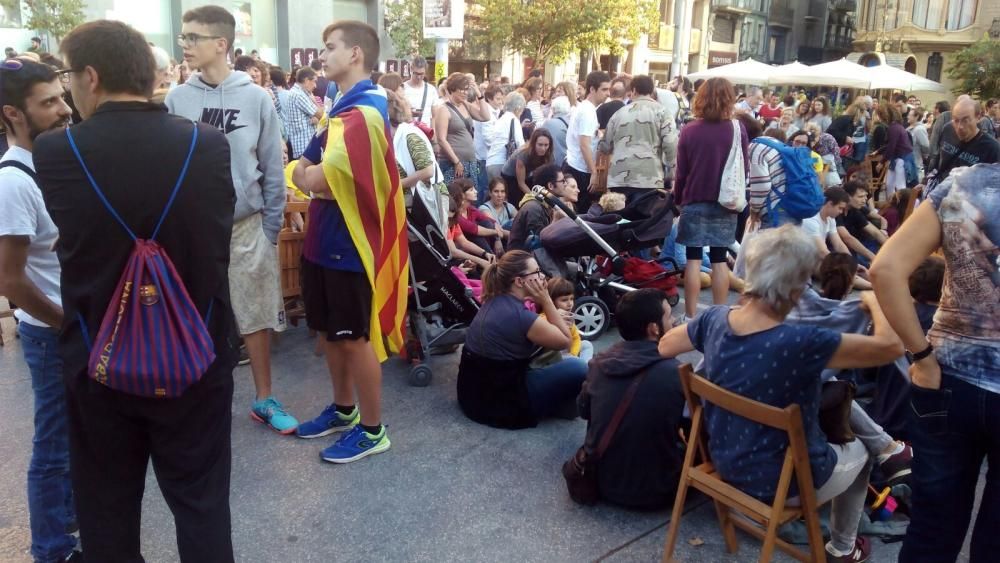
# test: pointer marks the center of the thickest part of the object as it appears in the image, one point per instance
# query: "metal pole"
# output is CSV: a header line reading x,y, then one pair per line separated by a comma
x,y
682,39
440,59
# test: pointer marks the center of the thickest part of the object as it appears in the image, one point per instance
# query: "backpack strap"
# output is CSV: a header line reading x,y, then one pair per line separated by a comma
x,y
107,204
20,166
616,419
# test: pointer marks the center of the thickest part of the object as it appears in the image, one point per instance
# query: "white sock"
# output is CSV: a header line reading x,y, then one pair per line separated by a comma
x,y
899,448
834,551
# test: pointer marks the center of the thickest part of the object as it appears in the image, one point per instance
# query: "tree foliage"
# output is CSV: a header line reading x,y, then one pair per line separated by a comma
x,y
404,25
552,30
977,69
55,17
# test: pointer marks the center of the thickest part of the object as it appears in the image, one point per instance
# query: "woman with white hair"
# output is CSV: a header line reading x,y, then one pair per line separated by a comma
x,y
557,125
750,350
506,129
164,74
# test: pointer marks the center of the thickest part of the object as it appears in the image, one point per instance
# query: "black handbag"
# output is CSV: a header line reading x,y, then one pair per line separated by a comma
x,y
580,471
511,146
835,411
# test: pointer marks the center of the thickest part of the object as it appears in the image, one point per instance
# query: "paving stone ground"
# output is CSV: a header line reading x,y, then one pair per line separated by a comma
x,y
448,490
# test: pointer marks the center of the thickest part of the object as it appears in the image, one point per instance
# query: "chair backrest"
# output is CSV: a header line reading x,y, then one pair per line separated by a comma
x,y
697,390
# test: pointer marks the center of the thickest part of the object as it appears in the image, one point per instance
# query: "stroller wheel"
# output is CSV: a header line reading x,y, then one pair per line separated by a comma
x,y
673,300
420,375
592,317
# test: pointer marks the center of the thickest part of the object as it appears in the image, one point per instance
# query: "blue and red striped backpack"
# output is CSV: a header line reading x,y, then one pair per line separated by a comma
x,y
152,341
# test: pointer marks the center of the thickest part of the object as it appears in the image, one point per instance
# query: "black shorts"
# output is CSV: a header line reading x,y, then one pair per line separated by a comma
x,y
338,303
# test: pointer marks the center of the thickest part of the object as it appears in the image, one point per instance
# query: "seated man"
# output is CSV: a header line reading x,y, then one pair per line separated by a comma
x,y
533,215
823,227
641,466
855,226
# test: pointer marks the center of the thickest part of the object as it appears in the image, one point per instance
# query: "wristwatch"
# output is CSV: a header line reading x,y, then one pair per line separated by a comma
x,y
914,358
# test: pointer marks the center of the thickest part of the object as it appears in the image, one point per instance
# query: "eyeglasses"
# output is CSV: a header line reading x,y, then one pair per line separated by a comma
x,y
536,272
190,39
560,181
64,75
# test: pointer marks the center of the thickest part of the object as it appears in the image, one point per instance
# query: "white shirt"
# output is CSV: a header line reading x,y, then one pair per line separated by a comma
x,y
499,134
815,226
22,213
415,95
481,133
582,122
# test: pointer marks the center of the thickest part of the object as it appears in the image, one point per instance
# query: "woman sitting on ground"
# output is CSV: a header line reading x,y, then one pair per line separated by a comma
x,y
472,221
895,211
518,172
495,385
497,207
751,350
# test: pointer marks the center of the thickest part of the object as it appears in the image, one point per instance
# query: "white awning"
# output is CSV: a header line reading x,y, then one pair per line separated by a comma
x,y
748,71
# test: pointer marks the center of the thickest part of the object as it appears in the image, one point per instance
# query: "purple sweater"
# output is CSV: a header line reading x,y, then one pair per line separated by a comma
x,y
899,144
701,156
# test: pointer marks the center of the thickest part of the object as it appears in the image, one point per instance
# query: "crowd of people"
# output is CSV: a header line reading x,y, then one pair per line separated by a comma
x,y
774,198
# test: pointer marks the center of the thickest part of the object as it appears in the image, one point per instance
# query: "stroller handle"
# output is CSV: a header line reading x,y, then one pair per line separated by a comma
x,y
542,194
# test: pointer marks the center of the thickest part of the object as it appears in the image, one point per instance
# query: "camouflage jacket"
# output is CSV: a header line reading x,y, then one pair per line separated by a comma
x,y
641,139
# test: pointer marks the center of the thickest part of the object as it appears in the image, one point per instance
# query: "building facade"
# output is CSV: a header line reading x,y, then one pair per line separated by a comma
x,y
921,35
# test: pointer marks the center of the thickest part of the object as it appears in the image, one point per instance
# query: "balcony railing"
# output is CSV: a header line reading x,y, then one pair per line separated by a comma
x,y
780,16
735,6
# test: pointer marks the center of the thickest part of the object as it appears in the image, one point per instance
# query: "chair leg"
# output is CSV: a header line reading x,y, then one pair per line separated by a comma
x,y
675,518
767,550
726,524
817,547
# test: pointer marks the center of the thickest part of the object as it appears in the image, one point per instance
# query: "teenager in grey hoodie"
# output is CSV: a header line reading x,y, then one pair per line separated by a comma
x,y
230,101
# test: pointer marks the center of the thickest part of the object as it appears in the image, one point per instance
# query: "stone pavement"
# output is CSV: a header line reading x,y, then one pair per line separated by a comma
x,y
448,490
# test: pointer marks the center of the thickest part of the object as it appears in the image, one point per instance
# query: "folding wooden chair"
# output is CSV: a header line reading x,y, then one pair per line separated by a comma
x,y
876,182
727,498
290,258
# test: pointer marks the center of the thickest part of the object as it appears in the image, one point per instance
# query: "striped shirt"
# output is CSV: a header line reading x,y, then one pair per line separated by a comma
x,y
767,178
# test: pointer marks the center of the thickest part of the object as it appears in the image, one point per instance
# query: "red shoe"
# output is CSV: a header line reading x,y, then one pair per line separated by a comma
x,y
862,550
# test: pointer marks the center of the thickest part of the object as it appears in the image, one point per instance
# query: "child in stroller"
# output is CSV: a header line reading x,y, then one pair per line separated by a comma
x,y
593,252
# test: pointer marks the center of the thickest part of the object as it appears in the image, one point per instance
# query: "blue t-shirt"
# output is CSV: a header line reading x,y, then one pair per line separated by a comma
x,y
778,367
500,330
328,242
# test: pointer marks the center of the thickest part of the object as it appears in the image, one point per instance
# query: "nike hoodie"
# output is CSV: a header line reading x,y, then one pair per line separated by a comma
x,y
244,113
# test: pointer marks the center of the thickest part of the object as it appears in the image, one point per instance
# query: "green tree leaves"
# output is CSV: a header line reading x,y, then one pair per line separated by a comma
x,y
55,17
977,69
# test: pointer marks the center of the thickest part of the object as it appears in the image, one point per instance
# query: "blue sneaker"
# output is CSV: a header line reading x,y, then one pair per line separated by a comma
x,y
272,413
355,445
328,422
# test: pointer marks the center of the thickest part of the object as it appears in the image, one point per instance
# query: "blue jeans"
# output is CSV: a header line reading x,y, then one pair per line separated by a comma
x,y
481,184
955,428
552,387
50,498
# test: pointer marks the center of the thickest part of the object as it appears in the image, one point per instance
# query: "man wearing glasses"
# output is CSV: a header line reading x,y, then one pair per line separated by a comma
x,y
535,215
963,143
243,111
419,93
32,103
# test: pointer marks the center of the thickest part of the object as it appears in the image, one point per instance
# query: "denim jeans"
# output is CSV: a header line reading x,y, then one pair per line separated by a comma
x,y
956,427
550,388
481,183
50,498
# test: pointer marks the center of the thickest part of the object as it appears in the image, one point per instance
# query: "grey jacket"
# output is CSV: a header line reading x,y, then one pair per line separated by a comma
x,y
244,112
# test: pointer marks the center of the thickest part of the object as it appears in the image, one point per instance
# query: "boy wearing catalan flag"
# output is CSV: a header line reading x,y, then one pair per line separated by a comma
x,y
354,259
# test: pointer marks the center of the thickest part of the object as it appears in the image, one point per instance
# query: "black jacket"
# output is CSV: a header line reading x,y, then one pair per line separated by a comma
x,y
135,151
531,218
642,465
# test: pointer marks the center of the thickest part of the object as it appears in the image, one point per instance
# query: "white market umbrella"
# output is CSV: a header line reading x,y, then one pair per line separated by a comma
x,y
890,77
794,66
840,74
747,71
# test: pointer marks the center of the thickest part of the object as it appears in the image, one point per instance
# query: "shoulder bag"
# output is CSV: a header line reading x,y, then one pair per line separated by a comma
x,y
580,471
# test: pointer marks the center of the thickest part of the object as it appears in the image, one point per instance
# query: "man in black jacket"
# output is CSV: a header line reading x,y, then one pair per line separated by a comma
x,y
135,152
534,215
641,466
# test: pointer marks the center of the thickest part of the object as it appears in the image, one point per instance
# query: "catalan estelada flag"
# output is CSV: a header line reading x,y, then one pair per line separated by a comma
x,y
360,167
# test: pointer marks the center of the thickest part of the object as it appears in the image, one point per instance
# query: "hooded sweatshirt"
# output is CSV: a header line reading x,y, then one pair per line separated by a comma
x,y
641,466
244,112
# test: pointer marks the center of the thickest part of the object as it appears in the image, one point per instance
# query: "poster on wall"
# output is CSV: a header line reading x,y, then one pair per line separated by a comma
x,y
392,65
311,55
404,69
244,18
444,19
10,13
298,57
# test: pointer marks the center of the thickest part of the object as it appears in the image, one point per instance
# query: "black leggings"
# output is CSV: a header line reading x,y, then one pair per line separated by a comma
x,y
716,254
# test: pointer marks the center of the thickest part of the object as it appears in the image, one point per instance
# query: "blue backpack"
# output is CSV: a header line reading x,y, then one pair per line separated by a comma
x,y
803,196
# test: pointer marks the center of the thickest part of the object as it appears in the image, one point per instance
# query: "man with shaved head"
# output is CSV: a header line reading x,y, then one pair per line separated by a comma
x,y
962,143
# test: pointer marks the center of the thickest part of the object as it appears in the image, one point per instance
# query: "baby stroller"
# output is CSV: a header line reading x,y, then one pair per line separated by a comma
x,y
588,251
441,307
